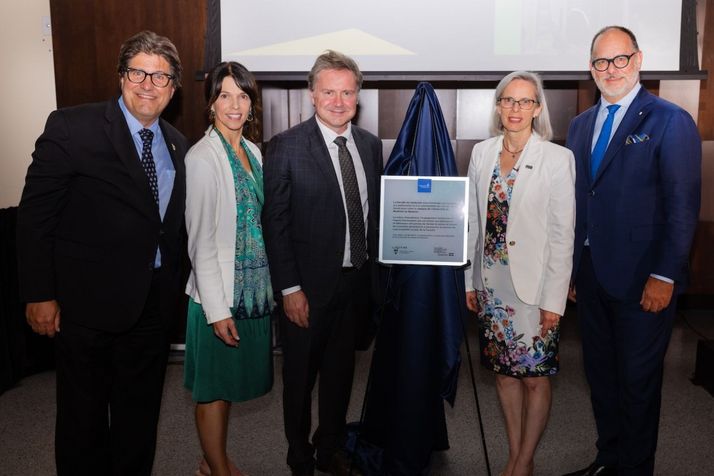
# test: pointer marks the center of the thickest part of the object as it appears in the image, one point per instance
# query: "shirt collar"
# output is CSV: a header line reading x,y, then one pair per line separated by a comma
x,y
329,135
134,125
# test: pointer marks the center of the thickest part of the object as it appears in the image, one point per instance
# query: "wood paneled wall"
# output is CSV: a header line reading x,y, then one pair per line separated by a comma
x,y
706,92
702,254
87,35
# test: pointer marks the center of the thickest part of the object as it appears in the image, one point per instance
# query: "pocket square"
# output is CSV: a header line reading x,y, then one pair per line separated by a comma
x,y
636,138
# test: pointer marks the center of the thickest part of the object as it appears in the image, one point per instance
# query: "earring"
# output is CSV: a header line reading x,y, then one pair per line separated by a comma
x,y
250,115
212,114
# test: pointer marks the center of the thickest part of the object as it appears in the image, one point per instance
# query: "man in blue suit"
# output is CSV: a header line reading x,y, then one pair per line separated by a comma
x,y
638,191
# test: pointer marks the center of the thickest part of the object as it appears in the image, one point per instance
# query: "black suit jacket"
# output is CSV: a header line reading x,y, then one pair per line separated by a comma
x,y
88,226
304,222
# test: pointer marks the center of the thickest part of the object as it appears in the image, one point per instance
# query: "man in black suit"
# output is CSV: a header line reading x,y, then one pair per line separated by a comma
x,y
320,227
100,233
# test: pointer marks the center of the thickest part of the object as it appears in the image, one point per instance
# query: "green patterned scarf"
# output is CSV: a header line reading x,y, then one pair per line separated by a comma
x,y
252,292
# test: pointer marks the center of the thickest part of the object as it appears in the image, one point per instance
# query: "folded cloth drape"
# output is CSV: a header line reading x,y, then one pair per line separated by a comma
x,y
417,349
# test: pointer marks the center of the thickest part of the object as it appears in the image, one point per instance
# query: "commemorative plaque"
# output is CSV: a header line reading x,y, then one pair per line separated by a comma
x,y
423,220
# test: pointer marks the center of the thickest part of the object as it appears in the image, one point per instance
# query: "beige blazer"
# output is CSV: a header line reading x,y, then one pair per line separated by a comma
x,y
211,225
541,220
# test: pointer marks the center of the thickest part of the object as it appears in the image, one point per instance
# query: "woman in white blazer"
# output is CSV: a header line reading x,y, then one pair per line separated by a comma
x,y
521,226
228,339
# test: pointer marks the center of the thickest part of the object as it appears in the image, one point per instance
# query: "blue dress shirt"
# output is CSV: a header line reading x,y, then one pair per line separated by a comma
x,y
165,171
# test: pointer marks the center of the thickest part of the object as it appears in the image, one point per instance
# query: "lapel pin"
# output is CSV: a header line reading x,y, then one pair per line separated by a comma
x,y
529,166
173,147
640,113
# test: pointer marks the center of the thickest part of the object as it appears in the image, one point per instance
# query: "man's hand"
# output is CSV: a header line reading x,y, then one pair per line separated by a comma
x,y
656,295
548,321
225,330
472,301
297,309
43,317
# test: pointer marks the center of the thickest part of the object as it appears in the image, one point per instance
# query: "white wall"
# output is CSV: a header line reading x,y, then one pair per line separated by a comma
x,y
27,89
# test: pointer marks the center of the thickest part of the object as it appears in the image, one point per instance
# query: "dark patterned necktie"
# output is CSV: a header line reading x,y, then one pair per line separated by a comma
x,y
147,161
355,214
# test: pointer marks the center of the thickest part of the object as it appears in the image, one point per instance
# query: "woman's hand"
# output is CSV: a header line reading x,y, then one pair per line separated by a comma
x,y
548,321
226,331
472,301
572,295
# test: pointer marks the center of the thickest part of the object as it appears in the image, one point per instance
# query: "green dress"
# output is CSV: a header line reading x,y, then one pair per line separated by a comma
x,y
216,371
212,369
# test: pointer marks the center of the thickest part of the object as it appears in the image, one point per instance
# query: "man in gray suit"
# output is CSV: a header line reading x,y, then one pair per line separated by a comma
x,y
320,227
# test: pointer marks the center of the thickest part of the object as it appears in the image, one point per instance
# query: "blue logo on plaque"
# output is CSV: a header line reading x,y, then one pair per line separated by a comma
x,y
424,185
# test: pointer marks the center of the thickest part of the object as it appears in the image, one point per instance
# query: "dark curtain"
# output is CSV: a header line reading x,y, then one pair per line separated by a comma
x,y
21,351
416,359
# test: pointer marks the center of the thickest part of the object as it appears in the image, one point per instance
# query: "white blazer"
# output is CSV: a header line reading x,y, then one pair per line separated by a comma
x,y
211,225
541,220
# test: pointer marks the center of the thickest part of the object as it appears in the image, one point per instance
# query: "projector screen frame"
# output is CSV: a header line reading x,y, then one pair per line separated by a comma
x,y
688,60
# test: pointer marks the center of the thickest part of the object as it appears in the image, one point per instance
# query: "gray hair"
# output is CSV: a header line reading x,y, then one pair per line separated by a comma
x,y
541,123
150,43
624,30
331,59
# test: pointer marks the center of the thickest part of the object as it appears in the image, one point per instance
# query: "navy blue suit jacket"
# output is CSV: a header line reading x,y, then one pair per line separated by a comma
x,y
304,222
641,209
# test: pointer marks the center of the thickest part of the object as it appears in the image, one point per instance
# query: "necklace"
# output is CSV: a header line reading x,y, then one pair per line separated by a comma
x,y
512,152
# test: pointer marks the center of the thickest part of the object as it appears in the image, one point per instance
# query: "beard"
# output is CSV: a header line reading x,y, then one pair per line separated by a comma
x,y
616,91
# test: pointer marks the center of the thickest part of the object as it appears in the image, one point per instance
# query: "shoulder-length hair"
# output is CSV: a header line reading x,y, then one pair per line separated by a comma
x,y
245,80
541,123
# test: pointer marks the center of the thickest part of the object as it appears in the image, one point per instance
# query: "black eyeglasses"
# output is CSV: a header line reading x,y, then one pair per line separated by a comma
x,y
526,103
158,79
620,61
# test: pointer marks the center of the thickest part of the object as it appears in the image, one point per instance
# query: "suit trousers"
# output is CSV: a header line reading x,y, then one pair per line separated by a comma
x,y
109,388
326,348
623,351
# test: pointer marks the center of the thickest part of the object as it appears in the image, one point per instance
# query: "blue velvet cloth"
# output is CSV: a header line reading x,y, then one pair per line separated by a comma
x,y
416,359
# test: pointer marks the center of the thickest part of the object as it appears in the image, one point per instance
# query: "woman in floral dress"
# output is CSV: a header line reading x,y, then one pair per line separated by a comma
x,y
521,223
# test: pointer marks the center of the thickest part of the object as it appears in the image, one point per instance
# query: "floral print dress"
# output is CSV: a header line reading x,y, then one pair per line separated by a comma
x,y
509,328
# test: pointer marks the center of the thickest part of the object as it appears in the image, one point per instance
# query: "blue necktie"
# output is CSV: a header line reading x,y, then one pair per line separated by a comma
x,y
602,140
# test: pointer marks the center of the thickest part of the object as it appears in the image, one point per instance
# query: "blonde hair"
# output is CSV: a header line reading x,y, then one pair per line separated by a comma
x,y
331,59
541,123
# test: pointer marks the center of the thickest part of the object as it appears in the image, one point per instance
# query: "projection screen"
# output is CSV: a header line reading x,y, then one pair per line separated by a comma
x,y
449,35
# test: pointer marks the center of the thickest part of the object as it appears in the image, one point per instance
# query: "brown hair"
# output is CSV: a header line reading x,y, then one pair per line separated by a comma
x,y
150,43
245,80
